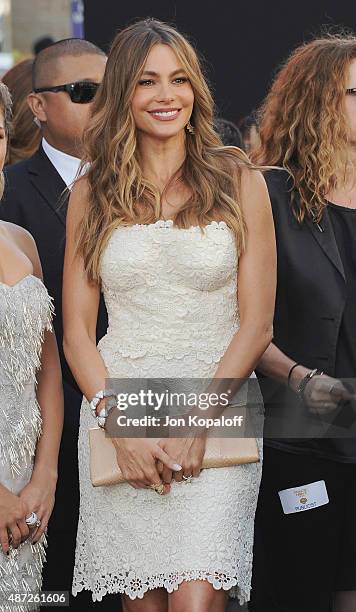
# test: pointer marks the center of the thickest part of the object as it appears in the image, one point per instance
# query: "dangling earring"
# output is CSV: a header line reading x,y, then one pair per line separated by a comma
x,y
190,128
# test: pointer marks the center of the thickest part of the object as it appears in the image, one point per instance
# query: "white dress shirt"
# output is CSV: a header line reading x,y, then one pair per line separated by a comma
x,y
66,165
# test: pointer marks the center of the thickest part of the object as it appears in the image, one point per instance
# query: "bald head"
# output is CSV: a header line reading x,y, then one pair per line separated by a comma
x,y
46,64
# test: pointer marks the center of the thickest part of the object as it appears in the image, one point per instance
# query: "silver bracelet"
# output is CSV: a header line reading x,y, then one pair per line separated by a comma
x,y
303,383
104,412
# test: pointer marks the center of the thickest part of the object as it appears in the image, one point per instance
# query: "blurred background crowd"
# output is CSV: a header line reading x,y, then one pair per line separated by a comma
x,y
25,29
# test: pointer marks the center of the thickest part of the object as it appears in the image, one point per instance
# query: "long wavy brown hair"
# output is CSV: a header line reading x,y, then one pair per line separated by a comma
x,y
25,135
302,121
119,193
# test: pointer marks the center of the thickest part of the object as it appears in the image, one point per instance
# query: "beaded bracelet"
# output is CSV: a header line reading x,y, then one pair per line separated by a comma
x,y
104,412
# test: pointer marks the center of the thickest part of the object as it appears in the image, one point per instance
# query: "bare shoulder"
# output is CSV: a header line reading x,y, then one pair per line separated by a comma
x,y
253,190
246,175
79,198
81,187
17,234
251,178
24,241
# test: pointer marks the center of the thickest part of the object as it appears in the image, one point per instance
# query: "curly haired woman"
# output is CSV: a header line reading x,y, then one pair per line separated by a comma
x,y
305,548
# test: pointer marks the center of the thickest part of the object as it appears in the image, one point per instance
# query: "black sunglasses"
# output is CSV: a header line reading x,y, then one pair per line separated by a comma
x,y
80,92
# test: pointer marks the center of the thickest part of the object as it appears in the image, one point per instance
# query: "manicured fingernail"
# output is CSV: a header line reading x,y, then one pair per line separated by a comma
x,y
177,467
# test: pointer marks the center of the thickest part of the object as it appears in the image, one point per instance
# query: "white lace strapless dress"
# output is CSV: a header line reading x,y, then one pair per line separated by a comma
x,y
171,297
25,313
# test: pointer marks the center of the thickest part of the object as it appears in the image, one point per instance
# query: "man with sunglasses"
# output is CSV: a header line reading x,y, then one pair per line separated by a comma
x,y
66,76
64,85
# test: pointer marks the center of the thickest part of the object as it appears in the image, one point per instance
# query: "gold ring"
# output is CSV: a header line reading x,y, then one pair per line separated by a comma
x,y
159,488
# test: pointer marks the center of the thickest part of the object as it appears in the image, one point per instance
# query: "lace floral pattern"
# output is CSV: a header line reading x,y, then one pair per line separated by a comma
x,y
171,296
25,314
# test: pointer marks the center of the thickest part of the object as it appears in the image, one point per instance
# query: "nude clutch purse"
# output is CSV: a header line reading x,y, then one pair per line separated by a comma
x,y
219,452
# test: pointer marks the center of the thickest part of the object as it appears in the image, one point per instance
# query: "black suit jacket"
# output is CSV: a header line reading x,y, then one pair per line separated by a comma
x,y
310,301
36,198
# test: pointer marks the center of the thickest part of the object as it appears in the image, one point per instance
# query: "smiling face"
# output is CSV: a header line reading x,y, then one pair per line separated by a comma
x,y
163,99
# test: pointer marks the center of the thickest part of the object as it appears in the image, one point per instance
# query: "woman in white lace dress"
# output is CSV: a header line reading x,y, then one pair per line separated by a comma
x,y
168,223
31,410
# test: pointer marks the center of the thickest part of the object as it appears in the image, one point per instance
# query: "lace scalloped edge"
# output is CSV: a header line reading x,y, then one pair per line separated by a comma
x,y
169,224
136,587
137,351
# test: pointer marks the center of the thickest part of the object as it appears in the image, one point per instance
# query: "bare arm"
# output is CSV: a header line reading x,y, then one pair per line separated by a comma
x,y
39,493
256,282
80,306
256,297
276,364
322,393
251,345
136,458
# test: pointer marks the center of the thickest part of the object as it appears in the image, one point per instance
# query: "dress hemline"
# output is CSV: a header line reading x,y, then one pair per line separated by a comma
x,y
149,583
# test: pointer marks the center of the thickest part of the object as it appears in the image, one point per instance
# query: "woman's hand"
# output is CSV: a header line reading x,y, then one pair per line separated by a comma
x,y
136,458
13,512
38,496
190,454
323,394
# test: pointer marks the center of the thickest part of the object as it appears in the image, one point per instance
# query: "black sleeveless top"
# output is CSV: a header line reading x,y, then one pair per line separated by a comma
x,y
344,224
314,322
